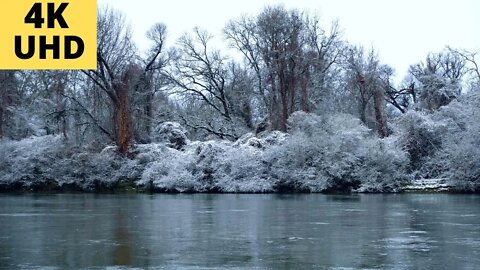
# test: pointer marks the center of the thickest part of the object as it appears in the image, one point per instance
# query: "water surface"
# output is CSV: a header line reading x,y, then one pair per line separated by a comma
x,y
406,231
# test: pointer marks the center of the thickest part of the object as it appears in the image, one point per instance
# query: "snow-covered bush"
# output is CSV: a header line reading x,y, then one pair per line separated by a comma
x,y
207,157
171,171
171,133
328,156
243,169
436,91
30,159
420,137
460,156
336,153
305,122
274,138
382,166
207,166
320,153
463,161
48,162
445,143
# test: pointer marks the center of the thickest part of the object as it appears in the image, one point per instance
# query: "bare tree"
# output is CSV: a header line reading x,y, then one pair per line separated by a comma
x,y
201,73
470,61
240,93
360,72
144,87
272,44
115,55
242,35
291,56
324,50
368,80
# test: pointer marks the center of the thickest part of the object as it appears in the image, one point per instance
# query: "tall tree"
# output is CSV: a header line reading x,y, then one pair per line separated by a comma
x,y
272,42
472,66
368,80
115,55
291,56
149,78
324,49
200,74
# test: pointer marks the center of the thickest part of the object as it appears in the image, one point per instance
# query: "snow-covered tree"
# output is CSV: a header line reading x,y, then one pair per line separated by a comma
x,y
439,79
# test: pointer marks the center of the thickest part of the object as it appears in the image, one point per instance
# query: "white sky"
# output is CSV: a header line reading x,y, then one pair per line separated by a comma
x,y
402,31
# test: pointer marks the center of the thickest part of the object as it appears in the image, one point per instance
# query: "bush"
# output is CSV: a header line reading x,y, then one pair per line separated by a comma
x,y
321,154
30,159
461,154
420,138
336,153
171,133
383,166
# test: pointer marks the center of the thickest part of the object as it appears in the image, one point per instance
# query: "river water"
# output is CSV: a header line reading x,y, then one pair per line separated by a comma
x,y
206,231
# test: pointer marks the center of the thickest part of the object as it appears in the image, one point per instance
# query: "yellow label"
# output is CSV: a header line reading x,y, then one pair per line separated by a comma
x,y
48,34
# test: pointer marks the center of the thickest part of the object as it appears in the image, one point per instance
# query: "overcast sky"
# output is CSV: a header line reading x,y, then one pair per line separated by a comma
x,y
403,32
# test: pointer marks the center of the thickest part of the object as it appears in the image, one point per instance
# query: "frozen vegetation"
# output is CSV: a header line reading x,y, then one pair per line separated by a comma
x,y
334,153
298,109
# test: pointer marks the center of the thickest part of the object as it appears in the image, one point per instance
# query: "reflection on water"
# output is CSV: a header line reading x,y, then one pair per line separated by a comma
x,y
240,231
122,250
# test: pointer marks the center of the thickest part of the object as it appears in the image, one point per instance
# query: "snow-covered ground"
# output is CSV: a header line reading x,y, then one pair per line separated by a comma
x,y
318,154
437,185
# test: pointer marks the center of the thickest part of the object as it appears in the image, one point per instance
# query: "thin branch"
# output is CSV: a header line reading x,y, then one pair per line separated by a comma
x,y
209,129
87,112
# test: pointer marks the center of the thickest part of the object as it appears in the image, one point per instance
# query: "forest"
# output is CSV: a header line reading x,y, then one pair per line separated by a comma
x,y
294,108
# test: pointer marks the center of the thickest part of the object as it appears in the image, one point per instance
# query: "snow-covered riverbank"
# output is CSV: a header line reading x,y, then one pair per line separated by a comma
x,y
319,154
341,157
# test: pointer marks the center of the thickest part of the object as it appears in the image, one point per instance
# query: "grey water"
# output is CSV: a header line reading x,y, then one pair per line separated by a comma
x,y
219,231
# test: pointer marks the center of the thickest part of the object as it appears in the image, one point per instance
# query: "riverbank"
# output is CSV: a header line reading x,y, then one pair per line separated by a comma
x,y
122,188
318,155
418,186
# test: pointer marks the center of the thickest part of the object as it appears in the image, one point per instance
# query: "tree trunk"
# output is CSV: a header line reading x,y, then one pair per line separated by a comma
x,y
1,121
122,116
363,103
282,124
149,114
380,118
363,112
304,95
274,110
291,90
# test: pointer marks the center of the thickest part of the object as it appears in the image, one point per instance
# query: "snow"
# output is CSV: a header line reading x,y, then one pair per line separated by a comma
x,y
318,154
429,185
171,133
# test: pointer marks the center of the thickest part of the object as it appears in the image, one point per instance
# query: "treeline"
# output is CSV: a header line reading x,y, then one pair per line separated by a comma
x,y
290,62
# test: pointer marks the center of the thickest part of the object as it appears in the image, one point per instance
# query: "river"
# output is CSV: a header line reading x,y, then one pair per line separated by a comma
x,y
218,231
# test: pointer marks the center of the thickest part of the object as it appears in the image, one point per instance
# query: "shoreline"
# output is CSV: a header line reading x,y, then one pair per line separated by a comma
x,y
129,187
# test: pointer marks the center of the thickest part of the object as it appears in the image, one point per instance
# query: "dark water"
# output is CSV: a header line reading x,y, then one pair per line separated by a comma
x,y
240,231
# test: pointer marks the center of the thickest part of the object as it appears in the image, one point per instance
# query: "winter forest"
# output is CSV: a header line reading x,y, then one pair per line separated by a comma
x,y
294,108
